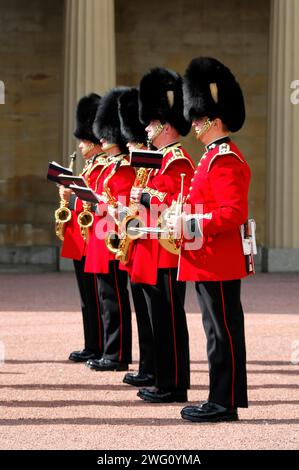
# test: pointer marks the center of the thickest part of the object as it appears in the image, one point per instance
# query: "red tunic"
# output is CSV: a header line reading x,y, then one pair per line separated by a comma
x,y
97,254
163,186
221,185
74,246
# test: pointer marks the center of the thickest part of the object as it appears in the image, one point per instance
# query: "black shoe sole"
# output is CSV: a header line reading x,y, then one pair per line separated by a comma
x,y
112,369
141,383
176,400
156,400
217,419
73,359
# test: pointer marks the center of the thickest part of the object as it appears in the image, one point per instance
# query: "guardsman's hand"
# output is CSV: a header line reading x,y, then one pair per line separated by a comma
x,y
113,212
174,224
65,193
136,194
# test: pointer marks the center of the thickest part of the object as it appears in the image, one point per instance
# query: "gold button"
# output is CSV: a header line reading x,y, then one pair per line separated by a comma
x,y
199,164
195,172
192,179
190,189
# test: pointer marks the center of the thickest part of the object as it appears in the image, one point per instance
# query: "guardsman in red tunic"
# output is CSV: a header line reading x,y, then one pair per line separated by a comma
x,y
74,246
114,182
219,202
135,136
161,110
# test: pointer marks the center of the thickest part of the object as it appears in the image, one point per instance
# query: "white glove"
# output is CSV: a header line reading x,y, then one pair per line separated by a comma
x,y
113,211
136,194
174,224
64,193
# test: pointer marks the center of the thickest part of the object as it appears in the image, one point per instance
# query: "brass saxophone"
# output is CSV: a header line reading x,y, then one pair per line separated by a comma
x,y
63,213
124,252
112,239
85,220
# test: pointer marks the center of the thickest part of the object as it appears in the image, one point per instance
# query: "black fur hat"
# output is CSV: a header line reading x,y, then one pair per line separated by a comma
x,y
210,89
107,124
85,113
131,128
161,98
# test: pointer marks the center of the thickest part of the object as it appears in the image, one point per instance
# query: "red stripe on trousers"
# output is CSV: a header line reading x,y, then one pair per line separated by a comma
x,y
173,330
231,345
120,317
98,310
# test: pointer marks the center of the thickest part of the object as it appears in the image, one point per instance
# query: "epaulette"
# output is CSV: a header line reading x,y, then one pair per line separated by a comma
x,y
121,159
94,163
107,163
102,162
177,154
224,149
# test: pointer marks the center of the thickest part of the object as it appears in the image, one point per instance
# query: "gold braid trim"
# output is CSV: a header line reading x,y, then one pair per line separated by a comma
x,y
177,154
154,193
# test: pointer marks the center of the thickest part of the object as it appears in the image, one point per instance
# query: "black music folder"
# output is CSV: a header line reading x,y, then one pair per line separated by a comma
x,y
146,159
67,180
54,170
86,194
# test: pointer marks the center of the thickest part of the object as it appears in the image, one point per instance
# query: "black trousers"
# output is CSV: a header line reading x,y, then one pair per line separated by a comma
x,y
145,332
91,309
116,314
165,303
223,322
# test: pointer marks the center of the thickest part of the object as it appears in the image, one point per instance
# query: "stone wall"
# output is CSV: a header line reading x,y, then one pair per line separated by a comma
x,y
30,120
171,32
148,33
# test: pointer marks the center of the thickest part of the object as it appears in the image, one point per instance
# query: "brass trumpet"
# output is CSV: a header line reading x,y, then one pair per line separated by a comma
x,y
85,220
168,242
63,213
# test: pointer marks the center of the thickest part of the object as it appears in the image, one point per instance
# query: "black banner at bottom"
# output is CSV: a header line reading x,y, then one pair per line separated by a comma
x,y
133,458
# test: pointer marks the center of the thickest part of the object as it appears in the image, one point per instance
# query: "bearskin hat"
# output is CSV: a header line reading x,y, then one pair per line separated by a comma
x,y
85,114
161,98
210,89
107,124
132,130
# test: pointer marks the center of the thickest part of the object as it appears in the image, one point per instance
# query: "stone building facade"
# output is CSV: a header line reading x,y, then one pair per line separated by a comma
x,y
52,52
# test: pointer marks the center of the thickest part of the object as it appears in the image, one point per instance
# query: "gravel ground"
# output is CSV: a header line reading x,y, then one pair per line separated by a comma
x,y
49,403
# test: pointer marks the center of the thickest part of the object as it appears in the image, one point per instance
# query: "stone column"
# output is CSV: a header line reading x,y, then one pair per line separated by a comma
x,y
283,140
89,57
89,65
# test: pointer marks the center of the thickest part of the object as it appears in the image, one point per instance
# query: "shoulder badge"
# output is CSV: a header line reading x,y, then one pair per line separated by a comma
x,y
224,148
178,152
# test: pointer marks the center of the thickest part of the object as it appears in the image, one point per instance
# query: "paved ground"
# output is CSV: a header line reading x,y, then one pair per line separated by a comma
x,y
50,403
